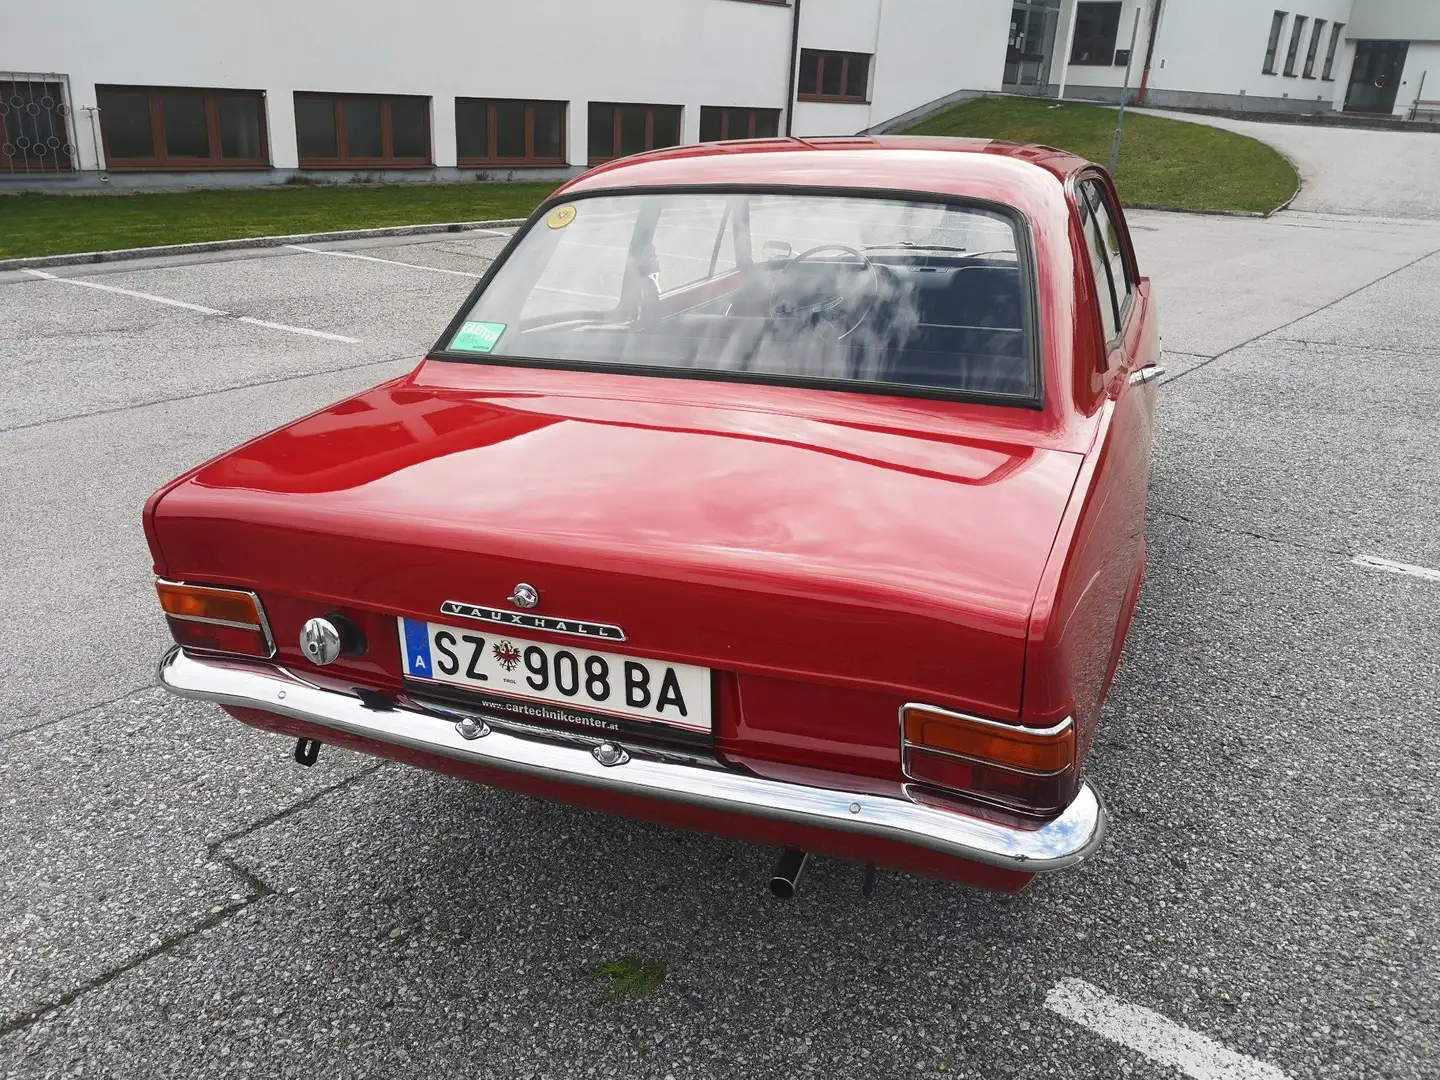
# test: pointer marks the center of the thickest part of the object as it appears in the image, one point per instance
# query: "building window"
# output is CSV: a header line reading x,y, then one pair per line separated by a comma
x,y
1096,27
1296,33
1310,53
1277,27
1330,52
505,132
834,76
338,130
182,128
617,129
34,126
717,123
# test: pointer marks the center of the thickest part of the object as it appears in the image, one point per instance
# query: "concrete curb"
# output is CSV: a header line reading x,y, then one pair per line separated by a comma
x,y
81,257
1191,210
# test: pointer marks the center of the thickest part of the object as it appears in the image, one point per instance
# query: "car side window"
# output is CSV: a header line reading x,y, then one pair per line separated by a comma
x,y
1105,298
1099,201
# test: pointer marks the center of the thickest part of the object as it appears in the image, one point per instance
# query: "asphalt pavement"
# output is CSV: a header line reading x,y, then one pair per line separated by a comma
x,y
178,898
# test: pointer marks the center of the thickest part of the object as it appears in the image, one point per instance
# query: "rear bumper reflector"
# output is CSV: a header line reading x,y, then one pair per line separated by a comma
x,y
1055,844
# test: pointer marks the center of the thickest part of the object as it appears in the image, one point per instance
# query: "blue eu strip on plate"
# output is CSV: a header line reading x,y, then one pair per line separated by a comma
x,y
417,648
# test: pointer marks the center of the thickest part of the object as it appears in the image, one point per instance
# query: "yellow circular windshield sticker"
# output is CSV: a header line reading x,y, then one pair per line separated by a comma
x,y
560,217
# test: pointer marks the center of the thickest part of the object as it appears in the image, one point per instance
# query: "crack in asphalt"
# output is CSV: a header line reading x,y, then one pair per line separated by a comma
x,y
1298,318
294,808
258,888
1352,346
16,733
1269,539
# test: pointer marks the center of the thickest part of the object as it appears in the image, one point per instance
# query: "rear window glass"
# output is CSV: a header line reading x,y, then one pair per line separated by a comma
x,y
870,292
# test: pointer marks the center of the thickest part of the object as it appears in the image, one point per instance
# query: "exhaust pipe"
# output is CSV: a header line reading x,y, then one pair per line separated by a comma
x,y
786,874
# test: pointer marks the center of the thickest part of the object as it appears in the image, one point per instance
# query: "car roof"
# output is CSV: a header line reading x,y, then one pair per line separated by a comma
x,y
909,163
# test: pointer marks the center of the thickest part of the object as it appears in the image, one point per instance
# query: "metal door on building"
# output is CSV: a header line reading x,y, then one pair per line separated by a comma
x,y
1375,76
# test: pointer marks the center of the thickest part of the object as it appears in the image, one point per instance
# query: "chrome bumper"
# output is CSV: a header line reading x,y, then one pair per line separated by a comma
x,y
1053,845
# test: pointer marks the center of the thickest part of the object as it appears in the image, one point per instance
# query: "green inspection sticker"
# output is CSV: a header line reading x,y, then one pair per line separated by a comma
x,y
477,336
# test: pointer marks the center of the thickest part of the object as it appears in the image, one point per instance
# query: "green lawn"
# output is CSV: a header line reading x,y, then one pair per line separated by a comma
x,y
57,224
1162,163
1167,163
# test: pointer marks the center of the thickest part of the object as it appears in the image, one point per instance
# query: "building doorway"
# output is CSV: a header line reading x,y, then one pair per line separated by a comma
x,y
1375,76
1030,46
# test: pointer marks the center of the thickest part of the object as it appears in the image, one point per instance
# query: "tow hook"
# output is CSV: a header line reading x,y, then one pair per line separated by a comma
x,y
786,874
307,751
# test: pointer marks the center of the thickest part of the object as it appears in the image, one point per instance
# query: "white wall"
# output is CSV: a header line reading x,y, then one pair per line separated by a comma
x,y
1218,47
923,50
679,52
931,48
1422,58
1396,20
1110,75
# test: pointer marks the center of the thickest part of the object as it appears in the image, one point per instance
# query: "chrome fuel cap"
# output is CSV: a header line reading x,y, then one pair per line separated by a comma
x,y
320,641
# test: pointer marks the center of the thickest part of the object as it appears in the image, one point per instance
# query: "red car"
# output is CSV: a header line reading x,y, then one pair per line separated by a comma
x,y
787,490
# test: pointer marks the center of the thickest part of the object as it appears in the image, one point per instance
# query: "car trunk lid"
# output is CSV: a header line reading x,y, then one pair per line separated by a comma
x,y
885,545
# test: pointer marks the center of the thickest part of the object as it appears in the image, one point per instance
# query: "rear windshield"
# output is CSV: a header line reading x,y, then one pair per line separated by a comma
x,y
779,287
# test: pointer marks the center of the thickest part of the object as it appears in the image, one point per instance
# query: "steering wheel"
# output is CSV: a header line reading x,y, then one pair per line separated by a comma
x,y
845,309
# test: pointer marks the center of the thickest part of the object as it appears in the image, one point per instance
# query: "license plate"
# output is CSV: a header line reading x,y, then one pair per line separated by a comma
x,y
537,682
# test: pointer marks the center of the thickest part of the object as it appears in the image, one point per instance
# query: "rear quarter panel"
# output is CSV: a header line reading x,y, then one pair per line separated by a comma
x,y
1091,583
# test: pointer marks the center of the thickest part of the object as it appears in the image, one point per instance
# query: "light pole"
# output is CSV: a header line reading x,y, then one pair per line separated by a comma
x,y
1124,93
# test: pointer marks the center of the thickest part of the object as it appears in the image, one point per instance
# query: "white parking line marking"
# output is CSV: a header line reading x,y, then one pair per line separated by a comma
x,y
372,258
128,292
1374,562
298,330
1150,1034
193,307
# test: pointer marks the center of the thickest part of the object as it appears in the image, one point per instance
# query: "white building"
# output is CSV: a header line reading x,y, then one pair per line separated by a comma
x,y
167,92
1367,56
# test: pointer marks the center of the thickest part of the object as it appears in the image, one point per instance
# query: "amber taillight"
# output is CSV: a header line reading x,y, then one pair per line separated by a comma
x,y
216,619
1027,769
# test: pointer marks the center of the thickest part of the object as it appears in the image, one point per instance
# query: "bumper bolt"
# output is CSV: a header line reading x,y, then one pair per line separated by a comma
x,y
471,728
607,753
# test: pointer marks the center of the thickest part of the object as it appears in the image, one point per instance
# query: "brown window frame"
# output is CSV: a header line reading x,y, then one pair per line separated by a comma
x,y
728,113
492,136
1100,36
387,160
649,108
824,55
161,161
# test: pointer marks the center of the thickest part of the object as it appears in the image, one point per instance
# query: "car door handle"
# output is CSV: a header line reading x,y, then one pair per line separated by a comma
x,y
1145,374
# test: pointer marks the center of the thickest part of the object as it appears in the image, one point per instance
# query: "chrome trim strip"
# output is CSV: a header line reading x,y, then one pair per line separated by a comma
x,y
264,626
906,744
215,622
1019,729
1053,845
